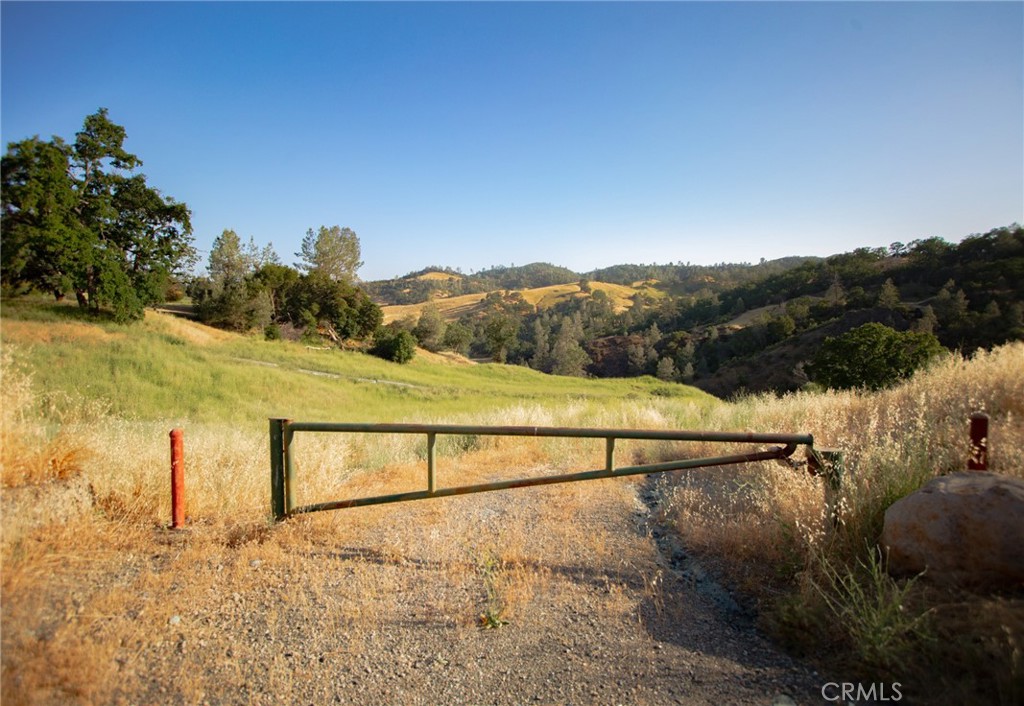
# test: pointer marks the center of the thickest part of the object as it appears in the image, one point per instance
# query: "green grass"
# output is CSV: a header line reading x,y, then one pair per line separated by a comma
x,y
149,371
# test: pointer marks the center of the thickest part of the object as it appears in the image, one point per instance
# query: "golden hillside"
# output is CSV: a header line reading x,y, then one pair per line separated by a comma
x,y
437,276
452,308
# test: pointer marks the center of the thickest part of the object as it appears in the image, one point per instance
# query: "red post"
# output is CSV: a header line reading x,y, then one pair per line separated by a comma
x,y
978,460
177,478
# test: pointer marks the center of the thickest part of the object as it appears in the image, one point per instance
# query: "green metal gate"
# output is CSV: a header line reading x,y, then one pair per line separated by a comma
x,y
283,474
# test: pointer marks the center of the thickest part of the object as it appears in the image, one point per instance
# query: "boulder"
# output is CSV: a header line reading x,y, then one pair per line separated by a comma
x,y
965,529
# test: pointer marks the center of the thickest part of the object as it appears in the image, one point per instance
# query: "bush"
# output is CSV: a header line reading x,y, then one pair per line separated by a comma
x,y
872,356
396,346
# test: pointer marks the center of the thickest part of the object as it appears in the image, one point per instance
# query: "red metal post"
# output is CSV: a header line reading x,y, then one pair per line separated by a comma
x,y
978,460
177,478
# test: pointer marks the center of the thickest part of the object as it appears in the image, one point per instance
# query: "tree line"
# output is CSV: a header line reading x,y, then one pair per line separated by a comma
x,y
247,287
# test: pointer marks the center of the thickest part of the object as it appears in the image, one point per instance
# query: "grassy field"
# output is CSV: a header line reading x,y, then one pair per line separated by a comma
x,y
114,392
95,400
173,369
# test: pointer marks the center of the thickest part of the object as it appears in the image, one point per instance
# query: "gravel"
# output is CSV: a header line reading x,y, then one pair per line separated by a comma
x,y
304,613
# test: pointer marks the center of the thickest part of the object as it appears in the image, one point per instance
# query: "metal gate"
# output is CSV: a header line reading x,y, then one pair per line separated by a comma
x,y
283,476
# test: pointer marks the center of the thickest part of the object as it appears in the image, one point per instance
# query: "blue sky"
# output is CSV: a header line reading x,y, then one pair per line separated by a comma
x,y
583,134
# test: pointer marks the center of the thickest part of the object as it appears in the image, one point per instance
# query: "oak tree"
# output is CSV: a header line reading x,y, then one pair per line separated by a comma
x,y
78,218
872,356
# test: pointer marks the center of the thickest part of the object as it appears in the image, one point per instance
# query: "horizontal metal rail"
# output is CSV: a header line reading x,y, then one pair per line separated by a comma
x,y
283,472
566,432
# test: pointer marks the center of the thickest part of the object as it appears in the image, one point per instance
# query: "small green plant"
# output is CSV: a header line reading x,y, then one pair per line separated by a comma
x,y
489,621
491,617
872,608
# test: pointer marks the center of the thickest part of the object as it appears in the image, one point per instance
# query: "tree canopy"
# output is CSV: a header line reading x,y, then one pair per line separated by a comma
x,y
77,218
247,288
873,356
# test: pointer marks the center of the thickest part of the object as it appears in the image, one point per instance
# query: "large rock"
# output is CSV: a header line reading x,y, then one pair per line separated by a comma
x,y
965,529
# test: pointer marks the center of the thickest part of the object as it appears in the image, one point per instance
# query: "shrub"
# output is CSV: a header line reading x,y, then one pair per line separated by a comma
x,y
872,356
396,346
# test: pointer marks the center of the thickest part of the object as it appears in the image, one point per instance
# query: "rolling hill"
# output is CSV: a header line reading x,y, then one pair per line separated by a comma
x,y
170,367
454,307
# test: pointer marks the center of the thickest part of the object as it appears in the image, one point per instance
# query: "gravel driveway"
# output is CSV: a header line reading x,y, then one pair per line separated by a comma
x,y
554,595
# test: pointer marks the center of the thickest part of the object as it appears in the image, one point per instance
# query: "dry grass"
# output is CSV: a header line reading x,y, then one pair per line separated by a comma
x,y
29,455
94,607
194,333
893,441
94,610
452,308
59,332
764,525
439,276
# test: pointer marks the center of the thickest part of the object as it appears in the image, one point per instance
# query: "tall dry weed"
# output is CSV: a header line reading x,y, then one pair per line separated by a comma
x,y
892,442
30,452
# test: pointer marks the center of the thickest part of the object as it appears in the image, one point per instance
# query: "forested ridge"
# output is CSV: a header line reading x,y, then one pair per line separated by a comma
x,y
731,327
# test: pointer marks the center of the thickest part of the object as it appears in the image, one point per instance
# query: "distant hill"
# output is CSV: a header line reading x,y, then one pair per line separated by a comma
x,y
725,328
686,278
436,281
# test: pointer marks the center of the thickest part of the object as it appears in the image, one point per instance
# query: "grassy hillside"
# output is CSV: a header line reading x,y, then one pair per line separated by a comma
x,y
728,329
171,368
103,396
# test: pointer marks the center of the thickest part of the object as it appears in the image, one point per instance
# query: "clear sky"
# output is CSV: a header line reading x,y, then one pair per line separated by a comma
x,y
583,134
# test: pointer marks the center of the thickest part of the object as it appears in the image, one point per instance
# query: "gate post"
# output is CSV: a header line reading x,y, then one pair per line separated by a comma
x,y
277,468
829,463
177,479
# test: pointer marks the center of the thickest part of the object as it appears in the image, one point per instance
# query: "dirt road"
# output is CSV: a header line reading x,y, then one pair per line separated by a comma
x,y
554,595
